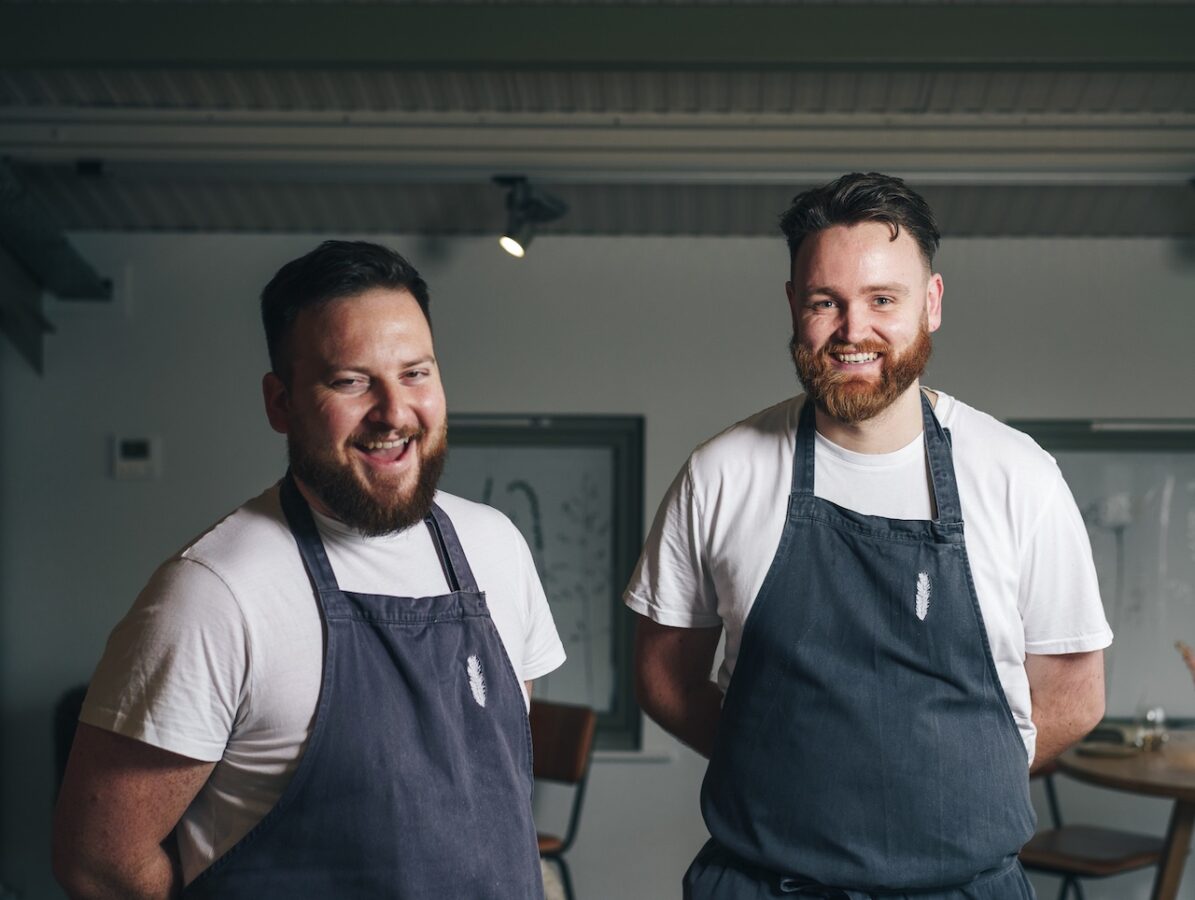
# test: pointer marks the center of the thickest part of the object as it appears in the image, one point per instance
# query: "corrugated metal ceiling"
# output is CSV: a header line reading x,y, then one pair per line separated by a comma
x,y
616,92
1146,158
83,203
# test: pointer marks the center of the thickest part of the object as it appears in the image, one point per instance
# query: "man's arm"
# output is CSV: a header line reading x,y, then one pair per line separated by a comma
x,y
116,813
1067,692
672,681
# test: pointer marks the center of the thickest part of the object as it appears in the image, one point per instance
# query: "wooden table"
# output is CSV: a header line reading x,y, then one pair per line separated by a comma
x,y
1169,772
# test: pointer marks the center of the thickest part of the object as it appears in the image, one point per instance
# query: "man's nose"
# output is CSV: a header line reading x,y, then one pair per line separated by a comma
x,y
854,326
391,408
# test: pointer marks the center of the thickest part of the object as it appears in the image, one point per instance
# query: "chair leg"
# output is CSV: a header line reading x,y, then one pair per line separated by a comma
x,y
566,880
1069,882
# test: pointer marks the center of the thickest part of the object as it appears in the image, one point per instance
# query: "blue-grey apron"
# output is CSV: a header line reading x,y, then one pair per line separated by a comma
x,y
866,747
416,780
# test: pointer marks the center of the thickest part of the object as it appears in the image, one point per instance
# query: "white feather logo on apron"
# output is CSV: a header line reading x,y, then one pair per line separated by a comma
x,y
922,595
477,679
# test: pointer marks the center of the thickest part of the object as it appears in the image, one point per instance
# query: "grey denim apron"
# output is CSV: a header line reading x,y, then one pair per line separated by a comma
x,y
866,747
416,780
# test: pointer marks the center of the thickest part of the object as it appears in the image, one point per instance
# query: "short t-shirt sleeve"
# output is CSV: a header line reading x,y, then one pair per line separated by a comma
x,y
671,583
1059,592
542,650
174,671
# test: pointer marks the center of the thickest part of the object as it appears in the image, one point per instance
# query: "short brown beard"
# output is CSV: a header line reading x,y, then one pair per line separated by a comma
x,y
852,400
342,491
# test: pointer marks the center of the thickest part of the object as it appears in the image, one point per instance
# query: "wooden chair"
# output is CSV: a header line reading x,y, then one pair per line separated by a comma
x,y
1084,851
562,745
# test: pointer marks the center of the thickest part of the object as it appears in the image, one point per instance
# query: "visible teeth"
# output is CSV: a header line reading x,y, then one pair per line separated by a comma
x,y
384,445
856,357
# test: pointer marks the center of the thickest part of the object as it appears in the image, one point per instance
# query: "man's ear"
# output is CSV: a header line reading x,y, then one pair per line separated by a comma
x,y
933,302
277,400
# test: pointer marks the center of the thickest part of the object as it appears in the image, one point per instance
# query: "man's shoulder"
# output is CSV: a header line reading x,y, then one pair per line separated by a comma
x,y
247,537
493,544
765,432
981,439
473,517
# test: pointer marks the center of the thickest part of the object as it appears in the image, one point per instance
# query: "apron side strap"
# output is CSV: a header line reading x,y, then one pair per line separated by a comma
x,y
448,548
306,535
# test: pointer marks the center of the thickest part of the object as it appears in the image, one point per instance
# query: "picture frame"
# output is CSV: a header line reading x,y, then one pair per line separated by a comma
x,y
573,485
1134,485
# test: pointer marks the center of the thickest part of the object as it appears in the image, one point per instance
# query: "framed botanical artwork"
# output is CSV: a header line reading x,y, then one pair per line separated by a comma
x,y
1134,483
573,485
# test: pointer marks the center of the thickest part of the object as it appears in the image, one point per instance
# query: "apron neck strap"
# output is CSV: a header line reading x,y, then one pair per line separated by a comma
x,y
803,454
302,526
937,452
311,546
451,553
940,458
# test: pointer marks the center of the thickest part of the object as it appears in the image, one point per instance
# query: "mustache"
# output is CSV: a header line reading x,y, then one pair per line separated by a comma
x,y
393,434
869,346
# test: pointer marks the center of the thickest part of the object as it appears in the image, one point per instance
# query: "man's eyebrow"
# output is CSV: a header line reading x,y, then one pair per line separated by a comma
x,y
402,364
900,289
418,361
886,289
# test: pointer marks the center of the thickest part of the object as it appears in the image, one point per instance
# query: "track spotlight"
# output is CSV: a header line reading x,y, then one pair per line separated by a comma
x,y
526,207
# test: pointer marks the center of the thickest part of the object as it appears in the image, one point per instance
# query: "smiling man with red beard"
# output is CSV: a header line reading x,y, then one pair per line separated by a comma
x,y
886,683
325,694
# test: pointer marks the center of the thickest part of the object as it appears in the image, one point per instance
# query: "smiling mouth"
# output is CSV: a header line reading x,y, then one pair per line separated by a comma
x,y
385,451
855,358
383,445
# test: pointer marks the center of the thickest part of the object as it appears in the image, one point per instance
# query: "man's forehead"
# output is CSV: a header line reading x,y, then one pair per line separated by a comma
x,y
363,302
869,250
375,318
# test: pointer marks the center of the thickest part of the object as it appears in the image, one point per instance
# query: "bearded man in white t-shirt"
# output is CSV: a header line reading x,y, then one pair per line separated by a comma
x,y
325,694
904,585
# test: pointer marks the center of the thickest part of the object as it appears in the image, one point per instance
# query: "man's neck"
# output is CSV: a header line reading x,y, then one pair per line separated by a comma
x,y
887,432
313,499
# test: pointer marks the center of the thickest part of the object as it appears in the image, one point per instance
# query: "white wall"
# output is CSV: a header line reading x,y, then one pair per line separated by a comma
x,y
689,332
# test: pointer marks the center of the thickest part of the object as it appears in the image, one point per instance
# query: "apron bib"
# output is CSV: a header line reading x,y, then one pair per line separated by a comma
x,y
865,745
416,780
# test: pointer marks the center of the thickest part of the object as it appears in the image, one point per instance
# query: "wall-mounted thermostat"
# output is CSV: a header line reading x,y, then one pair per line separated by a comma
x,y
136,458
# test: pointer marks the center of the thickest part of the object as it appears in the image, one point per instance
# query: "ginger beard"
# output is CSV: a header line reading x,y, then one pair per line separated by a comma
x,y
853,399
374,508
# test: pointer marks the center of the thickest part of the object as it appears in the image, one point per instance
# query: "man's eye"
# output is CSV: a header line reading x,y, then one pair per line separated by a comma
x,y
349,384
883,301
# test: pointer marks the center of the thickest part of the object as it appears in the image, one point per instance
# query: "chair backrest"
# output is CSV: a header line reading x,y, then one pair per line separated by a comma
x,y
561,740
66,720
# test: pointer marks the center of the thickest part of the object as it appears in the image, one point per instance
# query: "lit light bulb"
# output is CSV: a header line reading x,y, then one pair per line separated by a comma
x,y
511,246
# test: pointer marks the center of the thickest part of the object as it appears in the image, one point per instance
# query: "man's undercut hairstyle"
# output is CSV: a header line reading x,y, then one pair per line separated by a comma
x,y
333,270
856,198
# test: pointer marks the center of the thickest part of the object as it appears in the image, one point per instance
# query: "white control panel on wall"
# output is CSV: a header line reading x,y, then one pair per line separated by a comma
x,y
136,458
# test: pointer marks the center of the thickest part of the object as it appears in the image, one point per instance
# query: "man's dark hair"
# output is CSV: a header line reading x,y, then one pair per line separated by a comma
x,y
856,198
333,270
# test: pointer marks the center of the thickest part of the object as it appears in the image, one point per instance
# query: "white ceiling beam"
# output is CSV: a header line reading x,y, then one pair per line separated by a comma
x,y
959,149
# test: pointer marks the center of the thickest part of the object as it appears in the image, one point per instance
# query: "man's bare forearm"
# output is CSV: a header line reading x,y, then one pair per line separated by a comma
x,y
1068,700
691,717
156,877
672,681
114,826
